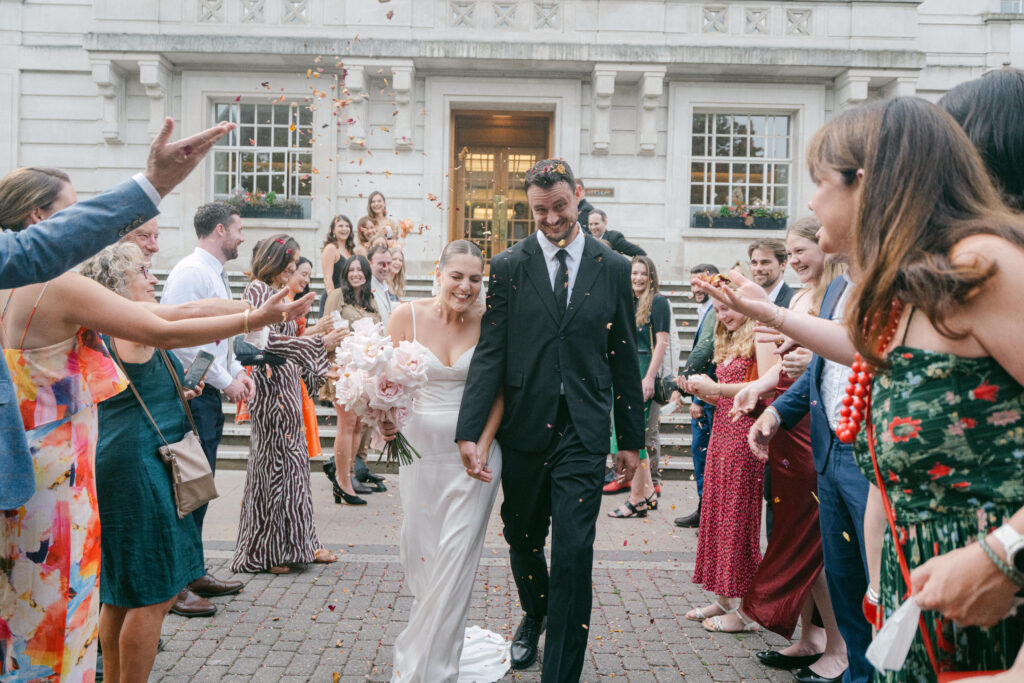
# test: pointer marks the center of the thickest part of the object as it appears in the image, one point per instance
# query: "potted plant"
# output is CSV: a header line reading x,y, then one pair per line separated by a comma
x,y
741,216
268,205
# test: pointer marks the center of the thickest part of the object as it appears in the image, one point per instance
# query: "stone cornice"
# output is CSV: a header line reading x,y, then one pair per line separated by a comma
x,y
211,50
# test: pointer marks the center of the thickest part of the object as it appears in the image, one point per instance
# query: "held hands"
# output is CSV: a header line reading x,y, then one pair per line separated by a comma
x,y
696,411
475,467
965,586
761,432
169,162
277,309
749,298
237,390
702,387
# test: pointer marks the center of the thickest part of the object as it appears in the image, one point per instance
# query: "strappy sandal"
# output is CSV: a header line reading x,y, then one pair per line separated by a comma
x,y
697,613
652,502
638,510
714,624
324,556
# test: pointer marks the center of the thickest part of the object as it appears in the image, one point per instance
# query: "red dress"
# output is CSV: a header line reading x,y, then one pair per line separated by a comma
x,y
728,544
793,558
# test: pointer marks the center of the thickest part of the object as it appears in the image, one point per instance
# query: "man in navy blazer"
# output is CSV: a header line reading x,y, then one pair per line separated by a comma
x,y
45,250
842,490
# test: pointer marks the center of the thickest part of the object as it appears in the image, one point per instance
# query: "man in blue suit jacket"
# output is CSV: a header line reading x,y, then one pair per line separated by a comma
x,y
842,491
45,250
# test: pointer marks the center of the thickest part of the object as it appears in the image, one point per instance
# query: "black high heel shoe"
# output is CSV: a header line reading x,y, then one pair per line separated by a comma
x,y
340,495
330,469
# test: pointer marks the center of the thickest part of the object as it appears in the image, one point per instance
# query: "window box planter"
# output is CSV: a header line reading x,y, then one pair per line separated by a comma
x,y
738,223
250,211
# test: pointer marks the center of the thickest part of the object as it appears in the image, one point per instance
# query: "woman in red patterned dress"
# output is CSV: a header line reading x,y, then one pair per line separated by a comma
x,y
728,546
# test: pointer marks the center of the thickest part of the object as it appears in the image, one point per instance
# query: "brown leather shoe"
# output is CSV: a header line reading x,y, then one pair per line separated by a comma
x,y
211,587
188,604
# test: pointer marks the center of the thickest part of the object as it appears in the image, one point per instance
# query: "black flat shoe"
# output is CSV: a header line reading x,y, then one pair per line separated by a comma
x,y
524,644
360,488
373,477
805,675
630,510
777,660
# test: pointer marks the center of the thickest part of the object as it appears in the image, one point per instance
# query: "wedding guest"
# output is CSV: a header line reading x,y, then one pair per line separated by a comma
x,y
789,583
147,552
337,248
354,301
298,285
964,584
276,528
145,237
377,212
61,370
653,315
728,546
396,283
699,362
366,232
583,208
201,275
598,222
380,263
60,239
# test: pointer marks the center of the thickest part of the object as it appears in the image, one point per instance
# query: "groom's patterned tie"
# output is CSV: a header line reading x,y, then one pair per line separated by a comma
x,y
562,282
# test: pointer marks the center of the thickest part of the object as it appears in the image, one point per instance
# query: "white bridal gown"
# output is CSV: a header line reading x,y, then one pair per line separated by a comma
x,y
446,514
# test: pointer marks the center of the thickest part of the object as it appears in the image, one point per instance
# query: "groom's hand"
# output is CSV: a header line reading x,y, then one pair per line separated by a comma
x,y
626,463
470,459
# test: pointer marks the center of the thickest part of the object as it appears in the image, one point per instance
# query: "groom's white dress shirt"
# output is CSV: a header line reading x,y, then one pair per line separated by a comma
x,y
574,253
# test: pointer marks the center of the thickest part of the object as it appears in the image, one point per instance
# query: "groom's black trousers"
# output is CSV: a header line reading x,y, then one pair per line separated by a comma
x,y
558,487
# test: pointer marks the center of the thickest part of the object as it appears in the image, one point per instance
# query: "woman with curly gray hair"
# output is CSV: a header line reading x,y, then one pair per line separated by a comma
x,y
147,552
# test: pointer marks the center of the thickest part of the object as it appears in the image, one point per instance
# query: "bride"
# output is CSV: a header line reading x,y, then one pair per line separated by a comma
x,y
445,510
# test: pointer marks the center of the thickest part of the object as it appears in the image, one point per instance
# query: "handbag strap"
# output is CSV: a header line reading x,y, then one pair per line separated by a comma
x,y
131,385
869,432
178,387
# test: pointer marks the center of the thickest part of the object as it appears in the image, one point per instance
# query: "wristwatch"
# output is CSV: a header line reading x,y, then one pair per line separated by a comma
x,y
1013,544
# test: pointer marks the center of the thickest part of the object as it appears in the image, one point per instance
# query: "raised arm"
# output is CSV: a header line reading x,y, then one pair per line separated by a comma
x,y
196,309
703,352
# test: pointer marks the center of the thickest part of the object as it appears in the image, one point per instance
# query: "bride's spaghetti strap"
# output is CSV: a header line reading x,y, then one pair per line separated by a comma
x,y
412,307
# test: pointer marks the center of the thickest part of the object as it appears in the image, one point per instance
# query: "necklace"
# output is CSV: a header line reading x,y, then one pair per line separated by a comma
x,y
858,392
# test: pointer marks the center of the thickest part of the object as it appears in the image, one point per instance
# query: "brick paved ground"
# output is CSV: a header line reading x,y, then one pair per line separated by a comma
x,y
342,619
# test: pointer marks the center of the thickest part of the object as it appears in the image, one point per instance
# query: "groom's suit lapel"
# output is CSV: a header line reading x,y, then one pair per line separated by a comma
x,y
590,266
537,272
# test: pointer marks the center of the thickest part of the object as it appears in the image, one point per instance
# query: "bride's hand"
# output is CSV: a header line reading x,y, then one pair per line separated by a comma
x,y
483,452
388,430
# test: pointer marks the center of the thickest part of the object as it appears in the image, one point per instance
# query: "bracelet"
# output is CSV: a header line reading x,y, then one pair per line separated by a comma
x,y
778,318
245,321
1012,574
774,411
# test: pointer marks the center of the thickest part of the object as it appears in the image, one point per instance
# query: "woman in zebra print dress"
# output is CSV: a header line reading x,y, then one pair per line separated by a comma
x,y
276,528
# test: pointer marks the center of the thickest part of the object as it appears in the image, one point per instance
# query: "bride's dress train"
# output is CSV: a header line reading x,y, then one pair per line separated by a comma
x,y
446,514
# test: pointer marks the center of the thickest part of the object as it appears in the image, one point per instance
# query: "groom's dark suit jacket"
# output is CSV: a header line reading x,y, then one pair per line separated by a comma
x,y
531,350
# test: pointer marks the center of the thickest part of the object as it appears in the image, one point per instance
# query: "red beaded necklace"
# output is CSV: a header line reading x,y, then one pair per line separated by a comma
x,y
858,391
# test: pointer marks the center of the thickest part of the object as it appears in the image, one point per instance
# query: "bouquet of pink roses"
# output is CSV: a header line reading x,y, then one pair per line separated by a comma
x,y
379,382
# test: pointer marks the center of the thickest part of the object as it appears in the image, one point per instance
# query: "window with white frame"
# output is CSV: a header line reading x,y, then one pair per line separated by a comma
x,y
1012,6
267,161
740,159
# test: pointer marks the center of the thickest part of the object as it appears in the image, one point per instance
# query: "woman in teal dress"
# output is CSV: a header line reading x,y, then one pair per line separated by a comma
x,y
147,553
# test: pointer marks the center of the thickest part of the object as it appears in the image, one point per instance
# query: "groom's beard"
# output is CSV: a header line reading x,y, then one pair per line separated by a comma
x,y
568,233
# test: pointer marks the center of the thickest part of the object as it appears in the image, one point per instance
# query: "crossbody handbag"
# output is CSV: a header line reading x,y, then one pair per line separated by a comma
x,y
943,676
191,476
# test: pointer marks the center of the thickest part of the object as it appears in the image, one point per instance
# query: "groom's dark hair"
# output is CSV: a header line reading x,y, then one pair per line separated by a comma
x,y
546,174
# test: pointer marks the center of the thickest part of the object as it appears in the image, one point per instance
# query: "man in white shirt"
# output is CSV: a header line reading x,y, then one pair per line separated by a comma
x,y
380,264
201,275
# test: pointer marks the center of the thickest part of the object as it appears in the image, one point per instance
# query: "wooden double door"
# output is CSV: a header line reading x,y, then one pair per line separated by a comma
x,y
491,154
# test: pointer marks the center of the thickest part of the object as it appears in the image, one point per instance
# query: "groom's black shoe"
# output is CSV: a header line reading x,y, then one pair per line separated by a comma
x,y
524,644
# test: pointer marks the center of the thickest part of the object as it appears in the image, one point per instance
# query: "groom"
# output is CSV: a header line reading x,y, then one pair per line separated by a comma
x,y
559,338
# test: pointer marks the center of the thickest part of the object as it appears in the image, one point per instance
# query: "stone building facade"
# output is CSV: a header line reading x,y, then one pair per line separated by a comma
x,y
666,108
